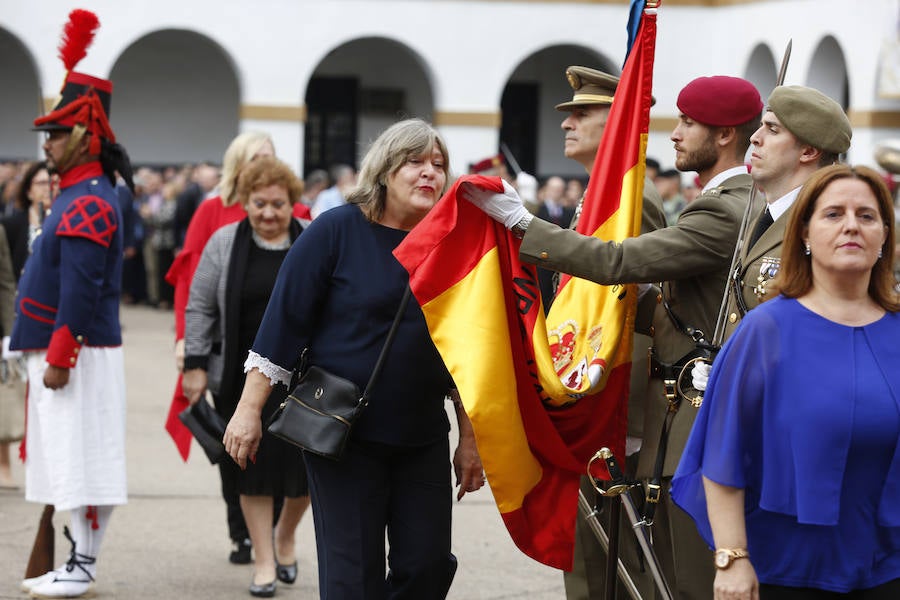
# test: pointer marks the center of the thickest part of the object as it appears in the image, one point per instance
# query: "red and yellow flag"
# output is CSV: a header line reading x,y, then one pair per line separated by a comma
x,y
542,395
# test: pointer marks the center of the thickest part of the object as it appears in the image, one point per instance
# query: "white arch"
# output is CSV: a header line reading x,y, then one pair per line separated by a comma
x,y
176,98
828,71
546,67
762,70
393,80
22,98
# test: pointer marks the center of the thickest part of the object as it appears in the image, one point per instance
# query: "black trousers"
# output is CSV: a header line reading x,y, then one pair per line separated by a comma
x,y
373,489
885,591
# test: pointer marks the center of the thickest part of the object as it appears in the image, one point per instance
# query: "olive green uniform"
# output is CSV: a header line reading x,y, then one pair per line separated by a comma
x,y
693,258
756,267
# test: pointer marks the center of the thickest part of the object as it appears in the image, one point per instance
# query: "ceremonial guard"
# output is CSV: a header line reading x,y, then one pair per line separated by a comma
x,y
802,130
67,323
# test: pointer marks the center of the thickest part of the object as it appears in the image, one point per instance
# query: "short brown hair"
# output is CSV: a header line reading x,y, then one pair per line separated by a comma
x,y
266,171
795,274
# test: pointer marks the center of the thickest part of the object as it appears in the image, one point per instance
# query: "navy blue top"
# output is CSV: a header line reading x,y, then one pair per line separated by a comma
x,y
337,292
804,414
70,287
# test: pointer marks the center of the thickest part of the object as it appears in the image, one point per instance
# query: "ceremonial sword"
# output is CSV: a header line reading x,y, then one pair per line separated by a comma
x,y
619,487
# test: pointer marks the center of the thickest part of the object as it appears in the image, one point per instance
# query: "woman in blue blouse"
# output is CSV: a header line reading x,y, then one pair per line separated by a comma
x,y
336,294
792,470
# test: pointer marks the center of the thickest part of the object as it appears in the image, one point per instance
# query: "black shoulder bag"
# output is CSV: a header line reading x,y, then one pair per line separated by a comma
x,y
321,409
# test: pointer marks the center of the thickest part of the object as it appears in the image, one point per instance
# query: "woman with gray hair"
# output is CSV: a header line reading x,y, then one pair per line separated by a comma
x,y
337,294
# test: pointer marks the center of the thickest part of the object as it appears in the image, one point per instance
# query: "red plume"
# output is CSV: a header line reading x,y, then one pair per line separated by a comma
x,y
77,35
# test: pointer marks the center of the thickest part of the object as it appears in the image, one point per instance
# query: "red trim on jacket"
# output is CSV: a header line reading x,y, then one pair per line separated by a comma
x,y
24,303
64,348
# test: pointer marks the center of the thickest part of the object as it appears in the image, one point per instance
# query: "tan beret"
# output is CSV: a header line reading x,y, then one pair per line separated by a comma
x,y
813,117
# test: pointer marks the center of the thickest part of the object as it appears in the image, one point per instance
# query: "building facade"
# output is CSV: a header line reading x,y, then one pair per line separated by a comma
x,y
324,77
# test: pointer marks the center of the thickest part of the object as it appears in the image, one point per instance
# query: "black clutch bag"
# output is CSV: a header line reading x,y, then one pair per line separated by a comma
x,y
208,428
321,409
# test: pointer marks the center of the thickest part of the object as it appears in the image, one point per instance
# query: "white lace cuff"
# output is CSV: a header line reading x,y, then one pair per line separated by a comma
x,y
273,372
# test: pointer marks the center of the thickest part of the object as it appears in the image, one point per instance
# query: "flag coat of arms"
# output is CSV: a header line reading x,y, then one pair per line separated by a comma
x,y
543,394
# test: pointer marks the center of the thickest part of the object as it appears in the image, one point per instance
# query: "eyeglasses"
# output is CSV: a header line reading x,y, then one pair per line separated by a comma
x,y
58,134
40,181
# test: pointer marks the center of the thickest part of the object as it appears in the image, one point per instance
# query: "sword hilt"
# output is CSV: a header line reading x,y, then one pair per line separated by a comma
x,y
617,483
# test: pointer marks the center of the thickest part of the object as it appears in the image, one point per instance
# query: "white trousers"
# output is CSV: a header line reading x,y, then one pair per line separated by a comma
x,y
75,438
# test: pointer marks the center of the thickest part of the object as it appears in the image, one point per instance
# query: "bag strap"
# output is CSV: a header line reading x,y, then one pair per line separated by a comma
x,y
376,371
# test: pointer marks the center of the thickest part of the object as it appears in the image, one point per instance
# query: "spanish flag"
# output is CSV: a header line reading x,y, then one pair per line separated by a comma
x,y
543,395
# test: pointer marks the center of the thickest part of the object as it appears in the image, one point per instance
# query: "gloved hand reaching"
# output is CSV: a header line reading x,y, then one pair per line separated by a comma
x,y
700,375
506,207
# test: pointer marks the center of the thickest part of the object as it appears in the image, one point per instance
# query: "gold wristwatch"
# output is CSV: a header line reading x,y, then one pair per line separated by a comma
x,y
725,556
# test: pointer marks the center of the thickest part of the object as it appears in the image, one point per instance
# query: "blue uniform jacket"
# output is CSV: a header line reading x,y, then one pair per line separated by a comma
x,y
69,290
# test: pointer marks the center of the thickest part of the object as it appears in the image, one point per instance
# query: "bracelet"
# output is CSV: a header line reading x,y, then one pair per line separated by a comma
x,y
521,227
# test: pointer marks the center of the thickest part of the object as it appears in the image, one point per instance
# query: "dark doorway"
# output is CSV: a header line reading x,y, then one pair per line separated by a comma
x,y
518,129
331,125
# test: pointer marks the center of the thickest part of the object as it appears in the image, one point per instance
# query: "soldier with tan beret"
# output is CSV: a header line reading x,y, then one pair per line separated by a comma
x,y
802,130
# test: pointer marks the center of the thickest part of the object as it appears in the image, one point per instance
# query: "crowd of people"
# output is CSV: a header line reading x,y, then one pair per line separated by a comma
x,y
787,470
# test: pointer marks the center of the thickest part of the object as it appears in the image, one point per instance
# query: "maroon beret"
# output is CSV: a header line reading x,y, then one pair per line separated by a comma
x,y
491,162
720,101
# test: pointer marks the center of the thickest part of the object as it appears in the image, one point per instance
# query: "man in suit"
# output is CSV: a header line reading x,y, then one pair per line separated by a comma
x,y
553,210
692,257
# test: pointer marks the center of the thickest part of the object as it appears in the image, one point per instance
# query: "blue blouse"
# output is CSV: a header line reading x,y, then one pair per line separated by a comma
x,y
804,415
337,292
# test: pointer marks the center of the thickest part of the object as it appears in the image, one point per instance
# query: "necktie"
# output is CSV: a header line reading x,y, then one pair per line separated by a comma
x,y
764,221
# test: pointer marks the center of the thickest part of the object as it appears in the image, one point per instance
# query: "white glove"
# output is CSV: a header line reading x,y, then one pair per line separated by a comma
x,y
527,186
506,208
700,375
7,353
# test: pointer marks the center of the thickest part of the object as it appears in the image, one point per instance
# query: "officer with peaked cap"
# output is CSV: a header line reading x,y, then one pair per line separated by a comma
x,y
67,323
692,257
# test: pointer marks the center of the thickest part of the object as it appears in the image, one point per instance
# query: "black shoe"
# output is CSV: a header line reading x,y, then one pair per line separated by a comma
x,y
286,573
265,590
241,553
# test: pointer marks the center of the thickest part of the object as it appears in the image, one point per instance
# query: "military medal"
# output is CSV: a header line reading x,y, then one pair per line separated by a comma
x,y
767,271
